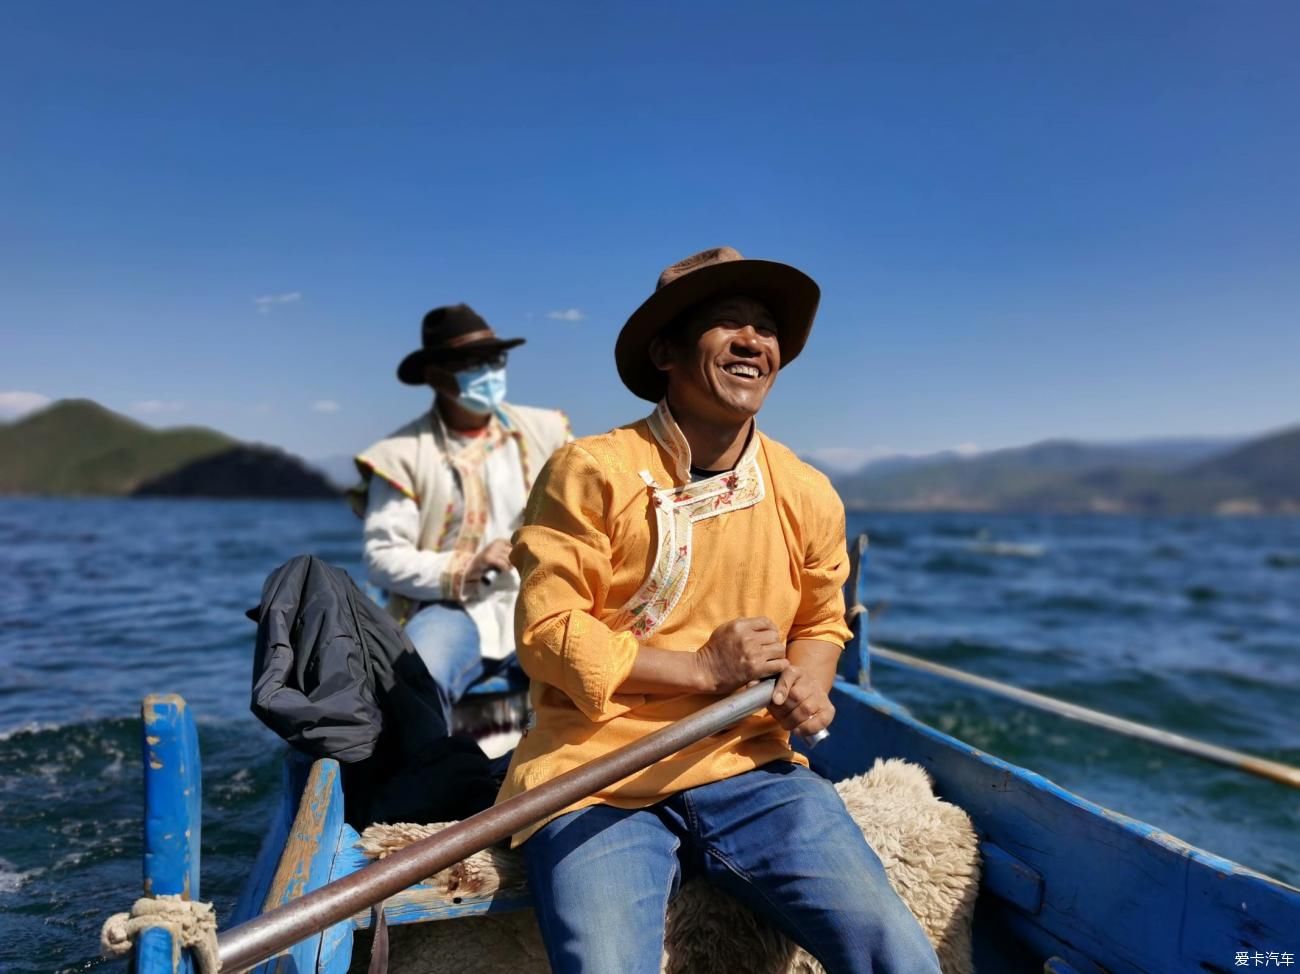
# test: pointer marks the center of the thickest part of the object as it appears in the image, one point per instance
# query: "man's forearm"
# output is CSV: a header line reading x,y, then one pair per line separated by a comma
x,y
664,671
816,658
672,671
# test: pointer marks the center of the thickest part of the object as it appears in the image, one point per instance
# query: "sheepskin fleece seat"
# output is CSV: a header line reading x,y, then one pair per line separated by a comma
x,y
929,850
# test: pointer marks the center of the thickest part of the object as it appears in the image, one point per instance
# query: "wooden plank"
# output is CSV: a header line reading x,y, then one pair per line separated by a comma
x,y
172,819
1126,895
421,903
336,941
306,861
172,798
293,778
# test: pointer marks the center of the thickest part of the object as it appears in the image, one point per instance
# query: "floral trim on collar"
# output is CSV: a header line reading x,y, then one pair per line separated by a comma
x,y
676,510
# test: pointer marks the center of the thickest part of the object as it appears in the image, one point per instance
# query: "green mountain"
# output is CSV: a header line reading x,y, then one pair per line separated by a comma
x,y
1158,477
77,447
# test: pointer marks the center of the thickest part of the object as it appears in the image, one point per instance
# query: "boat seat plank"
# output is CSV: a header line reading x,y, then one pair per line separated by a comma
x,y
421,903
424,902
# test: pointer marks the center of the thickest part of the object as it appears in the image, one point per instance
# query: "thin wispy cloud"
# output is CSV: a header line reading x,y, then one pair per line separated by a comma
x,y
567,314
156,407
15,402
325,406
266,302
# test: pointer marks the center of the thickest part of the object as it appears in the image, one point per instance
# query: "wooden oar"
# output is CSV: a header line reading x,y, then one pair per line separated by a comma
x,y
248,944
1263,767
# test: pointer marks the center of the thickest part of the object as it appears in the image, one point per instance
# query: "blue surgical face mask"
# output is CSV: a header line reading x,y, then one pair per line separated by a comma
x,y
482,389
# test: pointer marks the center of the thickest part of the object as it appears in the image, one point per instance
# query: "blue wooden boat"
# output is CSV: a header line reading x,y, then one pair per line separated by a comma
x,y
1067,885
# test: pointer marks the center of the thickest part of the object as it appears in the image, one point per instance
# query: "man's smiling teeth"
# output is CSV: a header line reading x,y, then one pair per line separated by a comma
x,y
739,368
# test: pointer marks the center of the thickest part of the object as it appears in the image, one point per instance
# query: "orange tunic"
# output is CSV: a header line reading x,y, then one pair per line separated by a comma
x,y
618,548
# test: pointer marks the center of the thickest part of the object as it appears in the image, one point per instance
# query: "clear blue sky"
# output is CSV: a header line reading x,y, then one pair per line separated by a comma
x,y
1028,219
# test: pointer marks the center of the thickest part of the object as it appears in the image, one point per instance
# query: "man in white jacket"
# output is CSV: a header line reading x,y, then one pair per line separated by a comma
x,y
442,496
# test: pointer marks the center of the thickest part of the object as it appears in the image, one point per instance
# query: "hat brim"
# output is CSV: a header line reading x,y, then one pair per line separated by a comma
x,y
787,292
411,369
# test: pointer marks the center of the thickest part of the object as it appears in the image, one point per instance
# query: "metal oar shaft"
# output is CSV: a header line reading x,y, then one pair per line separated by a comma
x,y
242,947
1264,768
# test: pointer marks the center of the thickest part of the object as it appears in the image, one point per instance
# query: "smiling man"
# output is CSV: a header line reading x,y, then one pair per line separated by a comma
x,y
663,564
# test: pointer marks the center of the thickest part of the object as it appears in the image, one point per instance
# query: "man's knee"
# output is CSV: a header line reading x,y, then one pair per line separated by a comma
x,y
448,643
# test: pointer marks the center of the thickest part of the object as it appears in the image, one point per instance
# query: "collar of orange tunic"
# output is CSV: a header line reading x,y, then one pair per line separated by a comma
x,y
676,509
670,436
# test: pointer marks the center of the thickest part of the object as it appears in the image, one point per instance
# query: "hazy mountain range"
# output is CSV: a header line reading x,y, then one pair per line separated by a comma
x,y
77,447
1168,476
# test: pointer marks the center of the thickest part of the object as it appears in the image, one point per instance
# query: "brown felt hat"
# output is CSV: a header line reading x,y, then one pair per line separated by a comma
x,y
788,293
454,329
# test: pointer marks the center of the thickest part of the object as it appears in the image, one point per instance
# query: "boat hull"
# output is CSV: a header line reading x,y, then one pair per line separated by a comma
x,y
1066,885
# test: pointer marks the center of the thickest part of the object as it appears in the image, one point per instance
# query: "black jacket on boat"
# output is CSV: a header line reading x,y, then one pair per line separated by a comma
x,y
335,676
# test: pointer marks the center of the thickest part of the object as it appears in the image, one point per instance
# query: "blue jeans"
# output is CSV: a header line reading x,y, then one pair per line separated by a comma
x,y
778,839
447,640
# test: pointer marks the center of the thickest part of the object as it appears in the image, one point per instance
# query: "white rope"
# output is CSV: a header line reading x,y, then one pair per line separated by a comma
x,y
191,924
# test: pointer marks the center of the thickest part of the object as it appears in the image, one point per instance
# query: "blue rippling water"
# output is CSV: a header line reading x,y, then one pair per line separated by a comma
x,y
1190,624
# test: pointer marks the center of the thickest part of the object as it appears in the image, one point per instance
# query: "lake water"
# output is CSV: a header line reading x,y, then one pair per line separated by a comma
x,y
1189,624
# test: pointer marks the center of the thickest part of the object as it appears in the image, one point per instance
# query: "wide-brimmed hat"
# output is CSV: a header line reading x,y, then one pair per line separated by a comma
x,y
788,293
456,328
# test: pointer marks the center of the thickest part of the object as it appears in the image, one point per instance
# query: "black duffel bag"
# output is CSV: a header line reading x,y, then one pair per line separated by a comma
x,y
336,677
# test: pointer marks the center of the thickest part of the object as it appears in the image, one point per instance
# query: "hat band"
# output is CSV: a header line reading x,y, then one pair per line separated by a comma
x,y
469,338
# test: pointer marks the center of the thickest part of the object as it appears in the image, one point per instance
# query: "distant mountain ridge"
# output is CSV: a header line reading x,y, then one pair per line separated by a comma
x,y
1261,475
77,447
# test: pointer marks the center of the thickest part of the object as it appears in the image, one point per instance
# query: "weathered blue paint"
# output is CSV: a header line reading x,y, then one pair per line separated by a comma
x,y
172,816
153,952
1003,875
293,778
420,903
172,798
336,941
306,861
